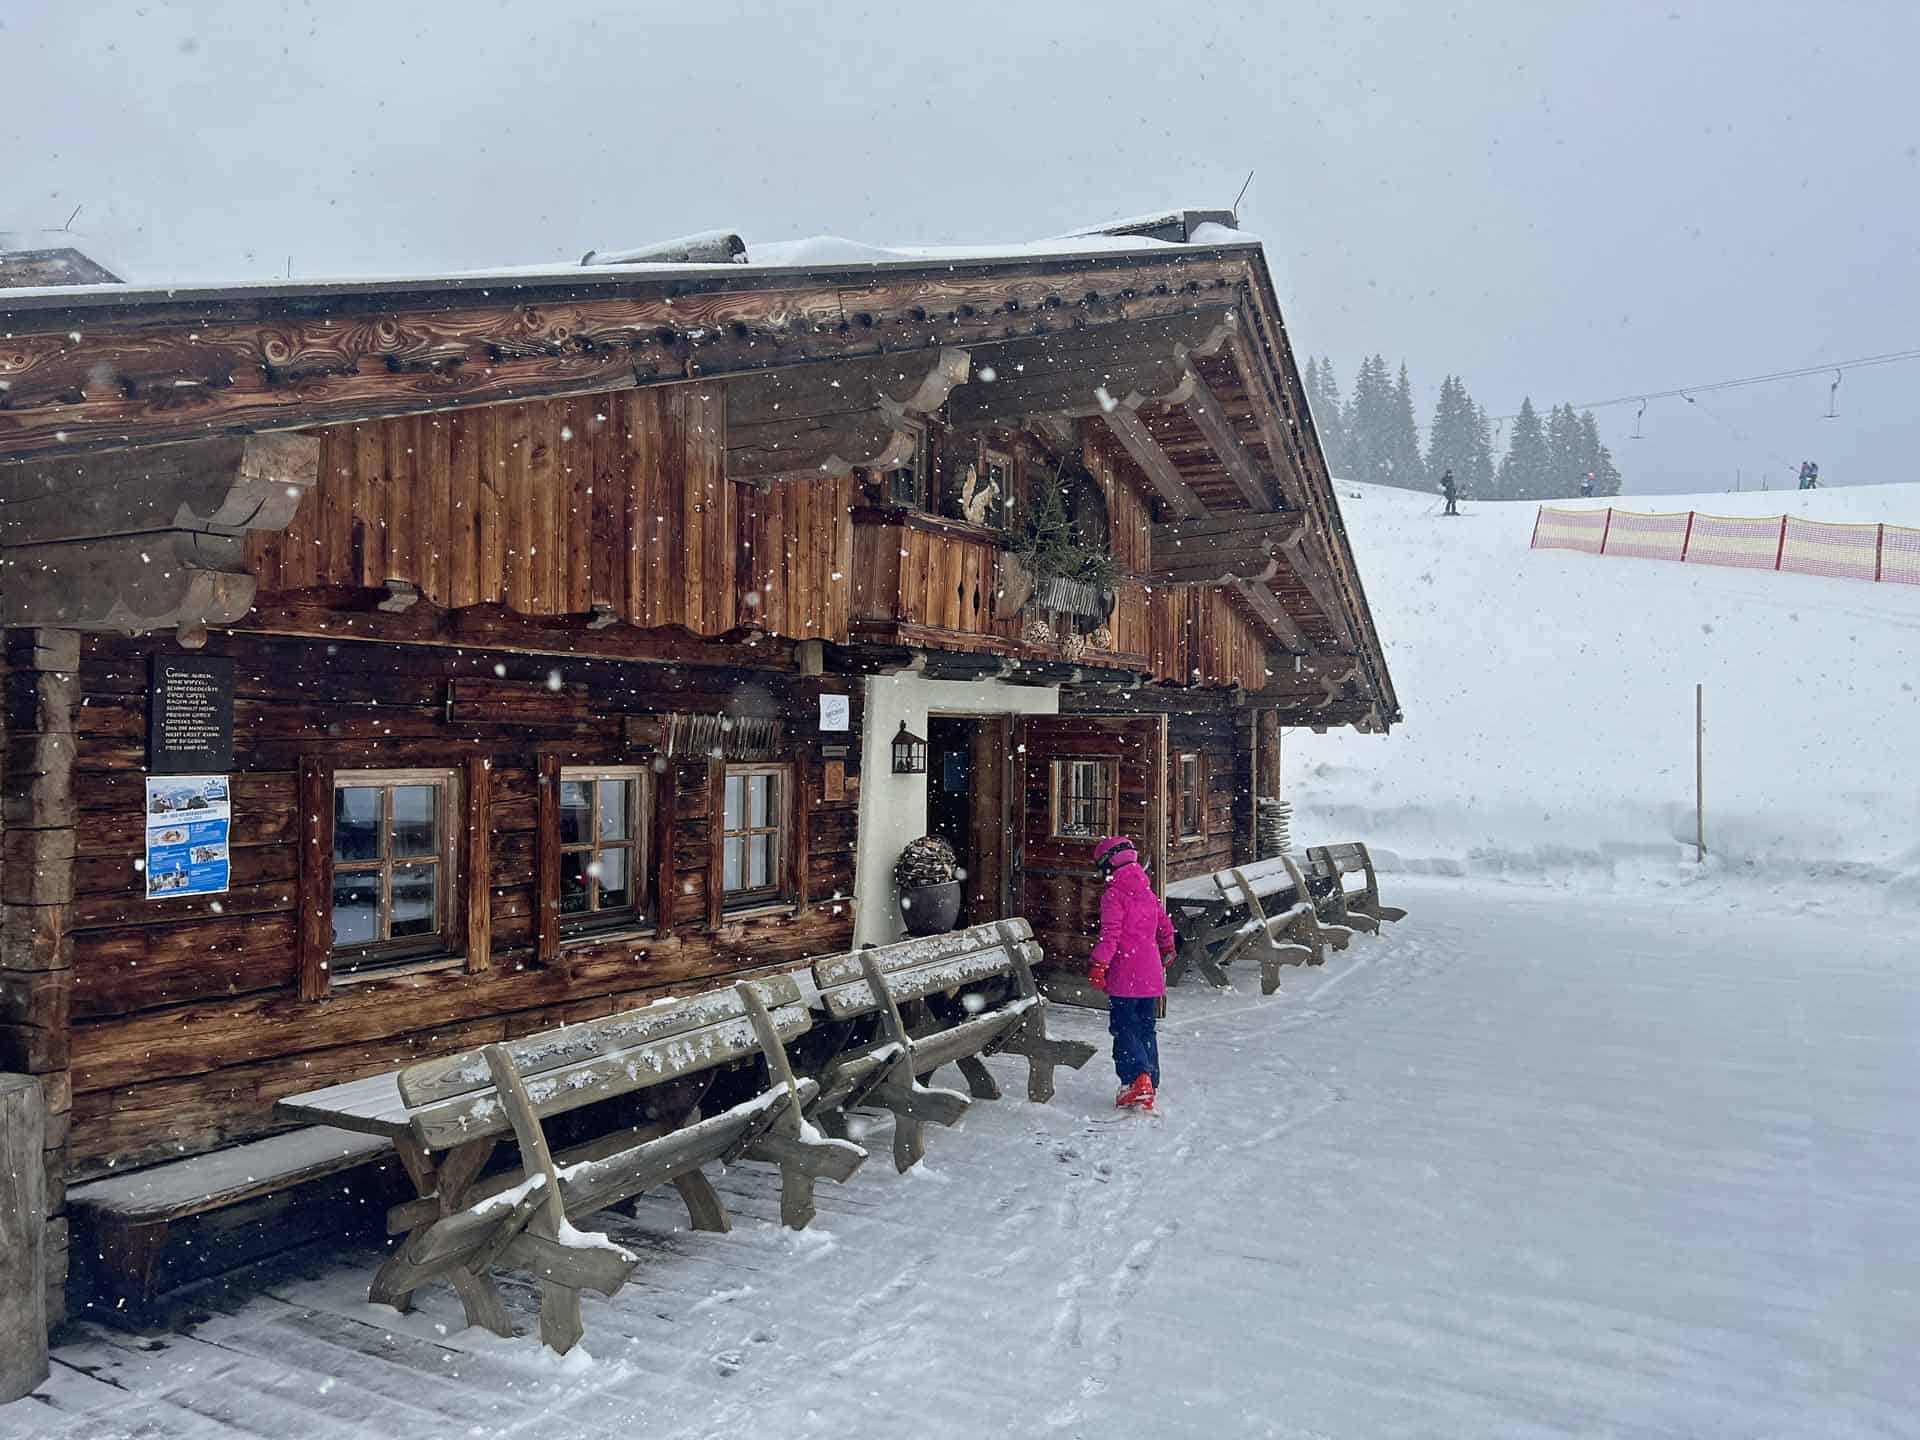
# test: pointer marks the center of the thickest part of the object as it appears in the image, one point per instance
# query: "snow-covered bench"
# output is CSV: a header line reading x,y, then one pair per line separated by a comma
x,y
984,1015
446,1117
1328,866
1264,909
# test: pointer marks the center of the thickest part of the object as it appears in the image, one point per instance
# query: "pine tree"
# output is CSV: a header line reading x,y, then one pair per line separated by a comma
x,y
1596,459
1329,416
1566,460
1370,424
1479,472
1405,468
1524,472
1450,444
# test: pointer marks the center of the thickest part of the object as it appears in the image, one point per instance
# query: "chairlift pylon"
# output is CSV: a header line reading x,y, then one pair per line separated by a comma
x,y
1833,398
1636,422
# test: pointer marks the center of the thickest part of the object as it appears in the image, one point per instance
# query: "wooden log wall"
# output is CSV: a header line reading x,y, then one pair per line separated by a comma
x,y
1197,637
558,507
1212,737
187,1022
1128,508
37,841
797,552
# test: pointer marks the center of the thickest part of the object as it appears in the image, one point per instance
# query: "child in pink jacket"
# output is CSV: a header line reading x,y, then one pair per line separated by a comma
x,y
1129,963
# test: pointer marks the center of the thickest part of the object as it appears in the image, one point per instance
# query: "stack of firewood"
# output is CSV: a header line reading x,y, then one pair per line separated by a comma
x,y
1273,828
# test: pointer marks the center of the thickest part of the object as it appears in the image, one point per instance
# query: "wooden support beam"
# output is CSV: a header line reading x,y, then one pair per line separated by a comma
x,y
1266,606
1236,545
146,539
1203,407
830,419
1319,584
223,486
1144,362
1275,433
1134,437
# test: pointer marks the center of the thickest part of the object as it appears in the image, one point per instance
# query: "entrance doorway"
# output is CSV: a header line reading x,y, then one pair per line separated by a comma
x,y
967,758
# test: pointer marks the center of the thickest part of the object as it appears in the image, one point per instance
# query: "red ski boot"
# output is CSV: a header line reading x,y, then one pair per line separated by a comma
x,y
1138,1095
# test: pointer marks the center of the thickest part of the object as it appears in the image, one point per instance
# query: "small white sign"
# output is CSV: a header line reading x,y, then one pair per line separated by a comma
x,y
836,712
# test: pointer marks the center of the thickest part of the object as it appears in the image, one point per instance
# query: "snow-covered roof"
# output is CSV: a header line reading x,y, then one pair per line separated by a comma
x,y
813,256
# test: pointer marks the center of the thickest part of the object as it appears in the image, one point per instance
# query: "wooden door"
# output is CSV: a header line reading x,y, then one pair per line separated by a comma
x,y
1082,777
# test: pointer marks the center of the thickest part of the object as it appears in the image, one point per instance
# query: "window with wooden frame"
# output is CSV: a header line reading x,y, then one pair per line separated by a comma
x,y
603,817
1086,798
755,809
1192,772
395,857
906,483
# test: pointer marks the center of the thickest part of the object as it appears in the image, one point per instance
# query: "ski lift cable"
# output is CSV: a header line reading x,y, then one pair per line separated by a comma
x,y
1681,392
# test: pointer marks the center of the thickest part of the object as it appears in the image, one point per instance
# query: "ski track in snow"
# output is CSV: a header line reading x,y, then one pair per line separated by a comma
x,y
1523,1166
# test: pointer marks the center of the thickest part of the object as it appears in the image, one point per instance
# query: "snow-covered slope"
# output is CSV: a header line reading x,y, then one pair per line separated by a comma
x,y
1549,703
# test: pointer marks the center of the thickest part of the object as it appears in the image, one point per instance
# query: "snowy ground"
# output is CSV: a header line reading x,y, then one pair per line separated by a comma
x,y
1531,1165
1549,704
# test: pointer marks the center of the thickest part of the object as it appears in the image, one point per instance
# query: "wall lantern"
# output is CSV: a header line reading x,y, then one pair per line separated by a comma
x,y
909,753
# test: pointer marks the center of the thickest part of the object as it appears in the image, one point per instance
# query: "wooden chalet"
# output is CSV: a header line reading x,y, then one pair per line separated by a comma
x,y
569,618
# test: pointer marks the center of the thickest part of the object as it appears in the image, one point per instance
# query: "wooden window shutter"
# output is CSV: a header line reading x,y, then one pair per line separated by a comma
x,y
546,894
666,881
717,835
799,809
478,877
315,937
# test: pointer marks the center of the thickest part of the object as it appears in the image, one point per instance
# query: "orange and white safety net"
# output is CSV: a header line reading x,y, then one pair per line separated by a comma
x,y
1886,553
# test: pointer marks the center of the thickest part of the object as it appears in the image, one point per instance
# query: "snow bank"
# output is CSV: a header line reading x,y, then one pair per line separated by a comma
x,y
1549,703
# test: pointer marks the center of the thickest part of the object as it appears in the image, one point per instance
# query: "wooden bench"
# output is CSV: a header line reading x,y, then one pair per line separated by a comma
x,y
445,1117
889,1070
207,1204
1265,909
1328,866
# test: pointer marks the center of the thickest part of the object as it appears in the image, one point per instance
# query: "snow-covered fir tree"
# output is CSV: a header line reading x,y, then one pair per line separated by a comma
x,y
1596,459
1405,467
1450,443
1329,415
1524,470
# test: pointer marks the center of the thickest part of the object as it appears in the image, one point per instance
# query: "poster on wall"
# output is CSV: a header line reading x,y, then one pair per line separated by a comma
x,y
189,823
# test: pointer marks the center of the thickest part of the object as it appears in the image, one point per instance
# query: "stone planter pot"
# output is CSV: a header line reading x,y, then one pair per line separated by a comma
x,y
931,909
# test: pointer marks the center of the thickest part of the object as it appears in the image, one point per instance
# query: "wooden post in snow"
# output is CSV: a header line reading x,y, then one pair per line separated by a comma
x,y
1699,780
23,1237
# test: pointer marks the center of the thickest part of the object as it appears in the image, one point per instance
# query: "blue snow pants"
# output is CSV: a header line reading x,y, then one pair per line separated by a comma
x,y
1136,1047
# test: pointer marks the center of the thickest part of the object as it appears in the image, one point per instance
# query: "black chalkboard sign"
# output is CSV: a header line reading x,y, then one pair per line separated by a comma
x,y
190,715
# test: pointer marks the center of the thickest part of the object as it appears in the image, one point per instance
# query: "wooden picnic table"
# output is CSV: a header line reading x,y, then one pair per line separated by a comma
x,y
1203,918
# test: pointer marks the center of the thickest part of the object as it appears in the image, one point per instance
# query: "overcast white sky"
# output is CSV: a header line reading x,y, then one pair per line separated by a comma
x,y
1569,200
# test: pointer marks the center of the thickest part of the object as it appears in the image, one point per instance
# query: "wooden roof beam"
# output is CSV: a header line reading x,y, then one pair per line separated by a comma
x,y
1134,437
1266,605
1319,584
1203,407
1234,545
1138,362
829,419
142,540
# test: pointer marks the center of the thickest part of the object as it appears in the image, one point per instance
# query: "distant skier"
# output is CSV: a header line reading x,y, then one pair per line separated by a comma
x,y
1129,963
1809,475
1586,487
1448,489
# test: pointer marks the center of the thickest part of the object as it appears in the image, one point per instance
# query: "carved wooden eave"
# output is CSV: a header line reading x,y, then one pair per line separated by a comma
x,y
829,420
79,377
150,539
1088,373
1238,545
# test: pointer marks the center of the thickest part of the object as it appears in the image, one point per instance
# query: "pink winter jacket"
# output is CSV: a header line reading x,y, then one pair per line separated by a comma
x,y
1134,933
